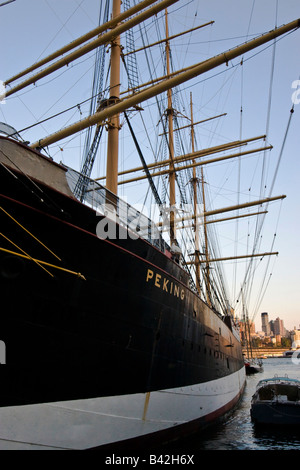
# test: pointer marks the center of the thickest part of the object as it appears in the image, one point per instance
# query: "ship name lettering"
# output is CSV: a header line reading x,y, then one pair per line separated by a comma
x,y
157,279
163,283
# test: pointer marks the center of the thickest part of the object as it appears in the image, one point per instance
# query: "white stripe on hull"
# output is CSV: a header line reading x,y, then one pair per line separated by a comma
x,y
81,424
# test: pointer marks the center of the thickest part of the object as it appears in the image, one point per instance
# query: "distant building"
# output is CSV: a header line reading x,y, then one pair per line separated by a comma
x,y
278,339
278,327
265,323
246,328
295,336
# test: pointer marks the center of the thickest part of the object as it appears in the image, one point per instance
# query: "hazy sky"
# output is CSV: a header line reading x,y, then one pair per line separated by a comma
x,y
30,29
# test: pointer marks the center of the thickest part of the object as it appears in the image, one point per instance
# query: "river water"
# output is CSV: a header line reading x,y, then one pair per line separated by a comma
x,y
238,431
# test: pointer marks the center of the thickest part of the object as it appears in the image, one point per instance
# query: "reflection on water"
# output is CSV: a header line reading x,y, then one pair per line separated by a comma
x,y
238,432
277,439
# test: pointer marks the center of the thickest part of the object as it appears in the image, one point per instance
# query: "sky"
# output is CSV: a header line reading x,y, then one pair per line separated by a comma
x,y
261,87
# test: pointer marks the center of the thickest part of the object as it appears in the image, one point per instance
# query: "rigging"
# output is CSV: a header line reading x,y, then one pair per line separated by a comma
x,y
90,148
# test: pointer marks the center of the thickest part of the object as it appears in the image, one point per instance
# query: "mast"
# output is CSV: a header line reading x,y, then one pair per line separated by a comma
x,y
247,329
114,122
197,261
170,114
207,273
194,184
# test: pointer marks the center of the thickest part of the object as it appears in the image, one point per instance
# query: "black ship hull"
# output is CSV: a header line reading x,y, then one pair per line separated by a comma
x,y
113,318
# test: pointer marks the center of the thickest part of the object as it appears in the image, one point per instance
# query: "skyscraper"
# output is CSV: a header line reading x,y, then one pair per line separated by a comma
x,y
265,323
278,327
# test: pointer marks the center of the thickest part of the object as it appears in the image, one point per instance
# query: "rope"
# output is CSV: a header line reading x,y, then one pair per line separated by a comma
x,y
39,262
18,223
43,197
26,254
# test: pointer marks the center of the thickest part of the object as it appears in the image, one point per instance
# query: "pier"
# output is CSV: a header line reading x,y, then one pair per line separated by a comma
x,y
266,352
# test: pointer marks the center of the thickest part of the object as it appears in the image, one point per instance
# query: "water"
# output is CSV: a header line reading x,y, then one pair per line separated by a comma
x,y
238,432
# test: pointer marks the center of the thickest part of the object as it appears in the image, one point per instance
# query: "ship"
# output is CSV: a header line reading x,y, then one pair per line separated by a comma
x,y
112,336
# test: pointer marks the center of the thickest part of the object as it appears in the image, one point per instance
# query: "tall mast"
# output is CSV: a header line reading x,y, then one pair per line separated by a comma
x,y
207,273
196,223
114,122
170,114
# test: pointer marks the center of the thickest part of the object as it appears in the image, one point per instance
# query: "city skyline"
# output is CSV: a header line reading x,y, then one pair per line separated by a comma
x,y
272,326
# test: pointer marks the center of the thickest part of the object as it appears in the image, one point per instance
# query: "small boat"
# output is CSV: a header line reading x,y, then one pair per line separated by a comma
x,y
253,366
291,353
276,401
